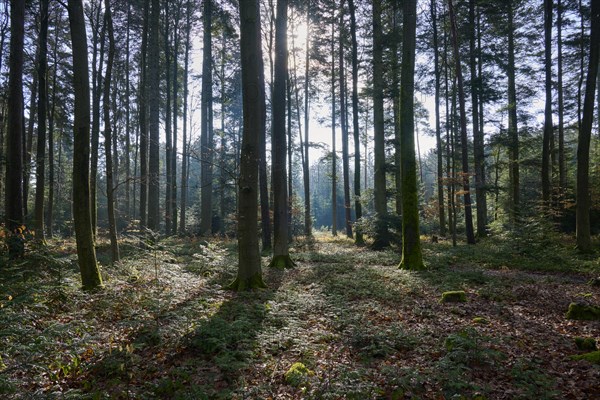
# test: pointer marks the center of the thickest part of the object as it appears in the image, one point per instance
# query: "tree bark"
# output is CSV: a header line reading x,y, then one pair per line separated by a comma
x,y
412,257
333,133
281,258
13,201
143,118
206,153
153,120
583,230
249,273
184,166
463,127
343,120
438,138
86,253
40,172
513,132
305,163
548,131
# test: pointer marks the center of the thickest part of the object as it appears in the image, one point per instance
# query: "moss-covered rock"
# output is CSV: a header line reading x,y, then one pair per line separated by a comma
x,y
583,312
586,344
481,321
593,357
297,374
454,296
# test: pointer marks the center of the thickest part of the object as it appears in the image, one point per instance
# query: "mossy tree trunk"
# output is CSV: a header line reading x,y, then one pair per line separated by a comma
x,y
412,257
206,138
249,273
86,253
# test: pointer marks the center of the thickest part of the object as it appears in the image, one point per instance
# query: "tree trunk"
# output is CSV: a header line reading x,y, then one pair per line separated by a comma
x,y
153,120
249,273
548,108
562,171
478,139
584,242
305,162
86,253
143,119
13,201
359,241
110,187
184,166
463,128
40,172
412,257
513,132
281,258
27,139
381,238
438,138
168,122
173,198
333,135
206,125
343,120
127,120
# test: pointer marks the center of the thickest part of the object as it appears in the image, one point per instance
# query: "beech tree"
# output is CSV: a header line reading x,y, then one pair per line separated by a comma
x,y
249,274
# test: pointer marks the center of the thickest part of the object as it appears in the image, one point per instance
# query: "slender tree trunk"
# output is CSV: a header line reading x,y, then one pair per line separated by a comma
x,y
13,201
395,43
513,132
265,212
97,61
86,253
584,242
184,166
548,131
333,135
173,198
40,173
343,119
281,258
153,120
249,269
463,128
28,139
355,125
305,162
478,139
143,118
168,125
412,257
562,170
206,125
438,138
110,187
128,210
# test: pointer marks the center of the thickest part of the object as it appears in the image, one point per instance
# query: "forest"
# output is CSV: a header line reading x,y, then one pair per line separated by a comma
x,y
300,199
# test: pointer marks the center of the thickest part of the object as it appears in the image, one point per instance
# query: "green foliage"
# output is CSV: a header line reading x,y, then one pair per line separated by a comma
x,y
585,344
593,357
298,374
378,341
532,381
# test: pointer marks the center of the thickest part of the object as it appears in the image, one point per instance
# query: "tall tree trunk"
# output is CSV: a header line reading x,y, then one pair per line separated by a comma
x,y
173,198
13,201
513,132
128,210
333,135
478,140
548,108
206,125
86,253
97,61
355,126
412,257
281,258
51,147
305,162
143,118
184,166
168,126
249,273
381,238
40,172
562,170
265,213
27,139
463,128
343,120
153,120
395,43
584,242
438,138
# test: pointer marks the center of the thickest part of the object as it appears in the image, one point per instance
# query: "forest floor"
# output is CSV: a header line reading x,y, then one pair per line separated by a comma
x,y
363,329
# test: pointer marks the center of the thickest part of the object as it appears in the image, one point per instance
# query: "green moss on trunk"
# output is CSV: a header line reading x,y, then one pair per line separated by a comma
x,y
282,262
253,282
